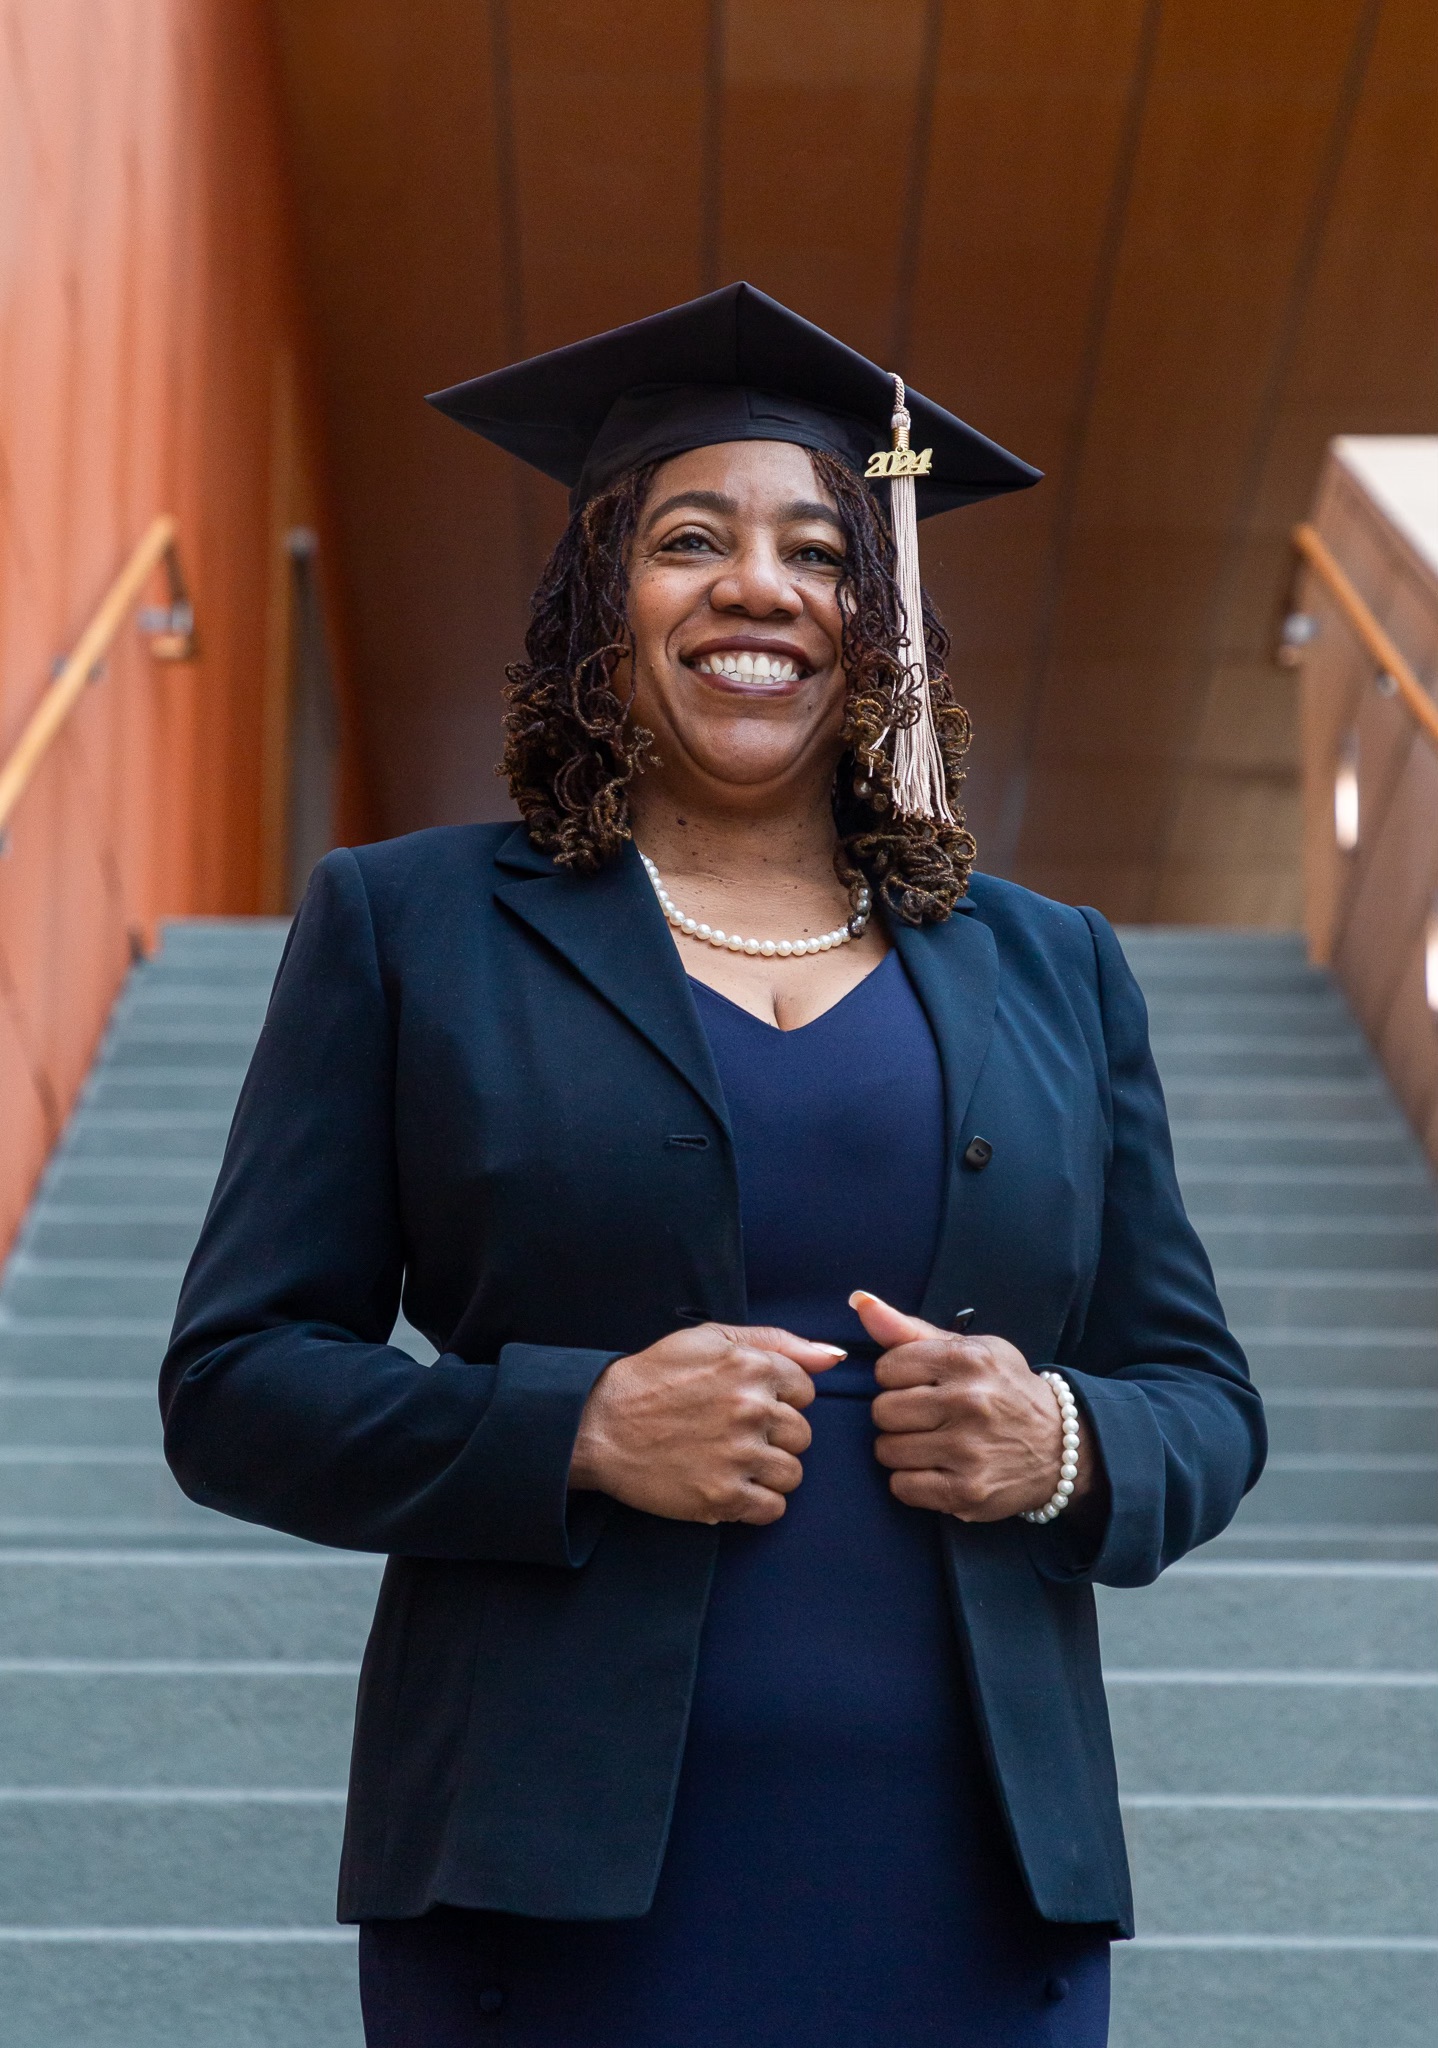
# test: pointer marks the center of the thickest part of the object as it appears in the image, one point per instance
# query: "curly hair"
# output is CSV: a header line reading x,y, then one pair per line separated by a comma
x,y
571,749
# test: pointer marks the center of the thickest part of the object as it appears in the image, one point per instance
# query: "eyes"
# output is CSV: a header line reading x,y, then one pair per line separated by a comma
x,y
695,540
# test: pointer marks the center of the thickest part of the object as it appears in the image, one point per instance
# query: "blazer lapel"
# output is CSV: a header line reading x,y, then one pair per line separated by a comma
x,y
955,969
610,929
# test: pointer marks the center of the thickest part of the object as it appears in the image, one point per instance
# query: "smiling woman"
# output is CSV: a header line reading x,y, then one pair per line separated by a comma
x,y
726,1132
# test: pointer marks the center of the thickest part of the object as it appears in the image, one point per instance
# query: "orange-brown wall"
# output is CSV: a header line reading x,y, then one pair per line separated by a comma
x,y
152,358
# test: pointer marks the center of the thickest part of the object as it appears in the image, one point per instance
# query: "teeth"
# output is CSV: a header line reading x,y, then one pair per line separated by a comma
x,y
748,668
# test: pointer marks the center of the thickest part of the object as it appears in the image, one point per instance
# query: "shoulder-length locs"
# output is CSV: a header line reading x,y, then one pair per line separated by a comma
x,y
572,749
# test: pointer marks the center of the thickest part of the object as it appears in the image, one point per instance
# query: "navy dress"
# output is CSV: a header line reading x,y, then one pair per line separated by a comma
x,y
837,1874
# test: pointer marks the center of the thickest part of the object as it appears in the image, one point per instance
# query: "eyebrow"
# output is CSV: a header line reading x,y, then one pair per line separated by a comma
x,y
727,508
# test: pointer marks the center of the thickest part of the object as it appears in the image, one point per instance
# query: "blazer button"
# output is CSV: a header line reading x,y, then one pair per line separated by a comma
x,y
977,1154
1056,1990
491,1999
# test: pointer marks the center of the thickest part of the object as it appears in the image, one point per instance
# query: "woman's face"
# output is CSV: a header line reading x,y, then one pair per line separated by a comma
x,y
734,607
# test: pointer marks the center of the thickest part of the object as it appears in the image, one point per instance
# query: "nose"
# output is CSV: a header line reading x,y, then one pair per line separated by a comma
x,y
757,584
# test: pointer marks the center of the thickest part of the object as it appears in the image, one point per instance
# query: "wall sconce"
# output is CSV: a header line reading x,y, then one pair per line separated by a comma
x,y
1430,960
1345,797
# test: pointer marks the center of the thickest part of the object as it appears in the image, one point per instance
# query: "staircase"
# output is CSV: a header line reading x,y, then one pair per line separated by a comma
x,y
176,1689
1275,1699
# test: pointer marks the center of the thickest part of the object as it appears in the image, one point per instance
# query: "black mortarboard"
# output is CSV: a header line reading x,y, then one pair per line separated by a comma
x,y
733,366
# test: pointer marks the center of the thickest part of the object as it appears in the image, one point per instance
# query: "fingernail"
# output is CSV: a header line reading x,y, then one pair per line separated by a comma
x,y
834,1350
861,1295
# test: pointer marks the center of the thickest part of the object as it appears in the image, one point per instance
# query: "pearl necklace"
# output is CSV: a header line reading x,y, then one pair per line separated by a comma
x,y
767,949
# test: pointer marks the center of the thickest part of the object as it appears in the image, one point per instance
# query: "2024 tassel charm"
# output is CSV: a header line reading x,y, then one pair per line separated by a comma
x,y
919,786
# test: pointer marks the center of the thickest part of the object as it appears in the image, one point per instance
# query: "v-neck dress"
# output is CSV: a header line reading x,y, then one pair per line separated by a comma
x,y
837,1873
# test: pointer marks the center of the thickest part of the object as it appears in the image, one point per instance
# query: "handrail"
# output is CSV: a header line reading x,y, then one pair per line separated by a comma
x,y
173,642
1325,565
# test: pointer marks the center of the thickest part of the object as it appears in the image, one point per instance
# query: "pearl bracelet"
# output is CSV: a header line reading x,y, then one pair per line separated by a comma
x,y
1068,1470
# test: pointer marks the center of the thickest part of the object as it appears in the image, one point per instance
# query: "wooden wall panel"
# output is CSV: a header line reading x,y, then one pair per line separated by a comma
x,y
820,105
1237,120
1363,350
609,168
394,148
608,106
1033,107
146,281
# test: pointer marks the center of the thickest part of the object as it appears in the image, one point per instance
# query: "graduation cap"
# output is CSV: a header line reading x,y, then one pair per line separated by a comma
x,y
737,366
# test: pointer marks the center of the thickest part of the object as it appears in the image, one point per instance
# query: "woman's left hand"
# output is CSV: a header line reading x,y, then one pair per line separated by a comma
x,y
965,1425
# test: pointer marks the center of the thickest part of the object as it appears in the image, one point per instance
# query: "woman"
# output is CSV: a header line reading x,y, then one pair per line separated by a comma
x,y
654,1748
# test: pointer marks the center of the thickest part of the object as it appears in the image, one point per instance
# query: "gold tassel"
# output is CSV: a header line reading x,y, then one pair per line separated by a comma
x,y
920,790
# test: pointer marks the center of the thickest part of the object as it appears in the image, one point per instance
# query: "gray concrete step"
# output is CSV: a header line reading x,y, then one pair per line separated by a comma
x,y
195,1856
1341,1866
192,1987
114,1493
1208,1615
238,1605
1263,1298
148,1232
124,1287
1252,1101
77,1722
129,1183
79,1415
1216,1142
1338,1487
1217,1193
1295,1356
1358,1419
1310,1013
1254,1991
154,1092
1381,1243
70,1349
1317,1539
1195,1057
1261,1732
147,1135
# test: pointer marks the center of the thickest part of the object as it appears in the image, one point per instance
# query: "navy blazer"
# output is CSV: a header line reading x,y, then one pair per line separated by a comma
x,y
484,1080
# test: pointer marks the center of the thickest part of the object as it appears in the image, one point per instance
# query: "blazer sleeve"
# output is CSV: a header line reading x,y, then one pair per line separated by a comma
x,y
1157,1373
283,1402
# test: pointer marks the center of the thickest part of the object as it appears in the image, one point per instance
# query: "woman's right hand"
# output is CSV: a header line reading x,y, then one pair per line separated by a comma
x,y
704,1426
